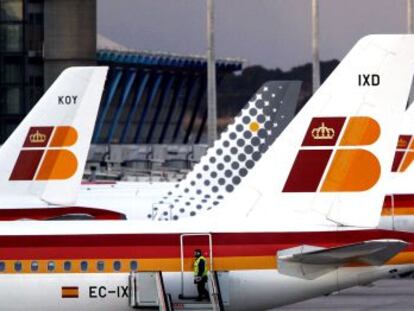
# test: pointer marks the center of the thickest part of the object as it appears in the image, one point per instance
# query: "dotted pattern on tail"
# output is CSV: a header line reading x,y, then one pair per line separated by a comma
x,y
231,158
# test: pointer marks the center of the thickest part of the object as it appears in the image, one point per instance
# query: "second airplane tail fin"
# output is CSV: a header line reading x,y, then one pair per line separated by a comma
x,y
45,156
234,154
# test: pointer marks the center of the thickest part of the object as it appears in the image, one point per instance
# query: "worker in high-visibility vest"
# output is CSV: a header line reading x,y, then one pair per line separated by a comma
x,y
200,275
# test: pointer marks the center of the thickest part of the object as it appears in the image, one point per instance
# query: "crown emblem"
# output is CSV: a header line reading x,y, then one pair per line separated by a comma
x,y
323,132
402,143
37,138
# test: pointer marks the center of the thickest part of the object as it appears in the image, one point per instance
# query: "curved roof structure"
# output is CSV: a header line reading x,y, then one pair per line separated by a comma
x,y
164,60
155,97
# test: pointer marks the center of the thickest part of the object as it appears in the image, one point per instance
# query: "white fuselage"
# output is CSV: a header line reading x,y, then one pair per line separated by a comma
x,y
247,290
137,199
253,289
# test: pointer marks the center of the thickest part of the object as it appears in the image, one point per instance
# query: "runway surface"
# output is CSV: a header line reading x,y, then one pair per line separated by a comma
x,y
394,294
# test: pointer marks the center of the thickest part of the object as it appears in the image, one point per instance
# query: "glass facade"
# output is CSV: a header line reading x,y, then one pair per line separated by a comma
x,y
21,66
11,10
10,99
11,72
11,38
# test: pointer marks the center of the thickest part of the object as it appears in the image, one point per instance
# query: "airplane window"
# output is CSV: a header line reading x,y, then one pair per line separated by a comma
x,y
67,265
51,266
117,265
34,266
84,265
100,265
133,265
2,266
18,266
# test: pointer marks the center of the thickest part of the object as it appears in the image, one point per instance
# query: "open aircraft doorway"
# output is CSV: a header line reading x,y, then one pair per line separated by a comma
x,y
188,243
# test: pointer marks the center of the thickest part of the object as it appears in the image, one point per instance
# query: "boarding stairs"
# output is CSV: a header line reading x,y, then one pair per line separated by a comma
x,y
147,292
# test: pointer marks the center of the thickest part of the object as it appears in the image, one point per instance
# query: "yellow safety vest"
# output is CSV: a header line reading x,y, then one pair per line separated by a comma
x,y
196,262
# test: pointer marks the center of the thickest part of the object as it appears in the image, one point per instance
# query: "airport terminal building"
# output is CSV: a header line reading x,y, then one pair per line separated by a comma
x,y
150,99
37,40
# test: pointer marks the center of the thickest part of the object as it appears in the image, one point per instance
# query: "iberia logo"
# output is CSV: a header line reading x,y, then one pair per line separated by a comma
x,y
326,163
404,155
43,156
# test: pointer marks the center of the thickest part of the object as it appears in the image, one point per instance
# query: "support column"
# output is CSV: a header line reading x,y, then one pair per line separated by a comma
x,y
409,16
316,77
211,76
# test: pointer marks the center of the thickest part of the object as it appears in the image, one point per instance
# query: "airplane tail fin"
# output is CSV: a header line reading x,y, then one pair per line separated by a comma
x,y
397,209
234,154
45,156
402,166
334,157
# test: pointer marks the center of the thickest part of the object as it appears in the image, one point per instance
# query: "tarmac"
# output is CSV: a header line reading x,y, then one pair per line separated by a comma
x,y
393,294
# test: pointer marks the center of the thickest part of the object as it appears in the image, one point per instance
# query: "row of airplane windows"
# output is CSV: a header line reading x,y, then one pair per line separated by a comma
x,y
68,266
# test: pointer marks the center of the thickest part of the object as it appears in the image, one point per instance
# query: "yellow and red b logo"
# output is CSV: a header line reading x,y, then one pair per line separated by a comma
x,y
404,155
325,163
43,158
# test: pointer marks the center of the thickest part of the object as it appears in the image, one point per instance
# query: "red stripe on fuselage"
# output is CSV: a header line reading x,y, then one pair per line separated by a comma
x,y
400,200
168,245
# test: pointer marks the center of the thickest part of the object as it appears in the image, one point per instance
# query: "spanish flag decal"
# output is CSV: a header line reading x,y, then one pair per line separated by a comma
x,y
70,292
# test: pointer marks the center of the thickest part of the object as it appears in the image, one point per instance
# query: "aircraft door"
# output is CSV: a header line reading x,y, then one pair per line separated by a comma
x,y
190,242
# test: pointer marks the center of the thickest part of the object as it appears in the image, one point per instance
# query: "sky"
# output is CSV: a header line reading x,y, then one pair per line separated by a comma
x,y
271,33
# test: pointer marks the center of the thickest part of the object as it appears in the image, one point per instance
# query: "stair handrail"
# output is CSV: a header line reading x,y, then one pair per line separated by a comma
x,y
215,292
132,285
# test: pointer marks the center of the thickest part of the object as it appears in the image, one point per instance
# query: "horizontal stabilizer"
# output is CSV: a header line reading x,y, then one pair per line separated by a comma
x,y
310,262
